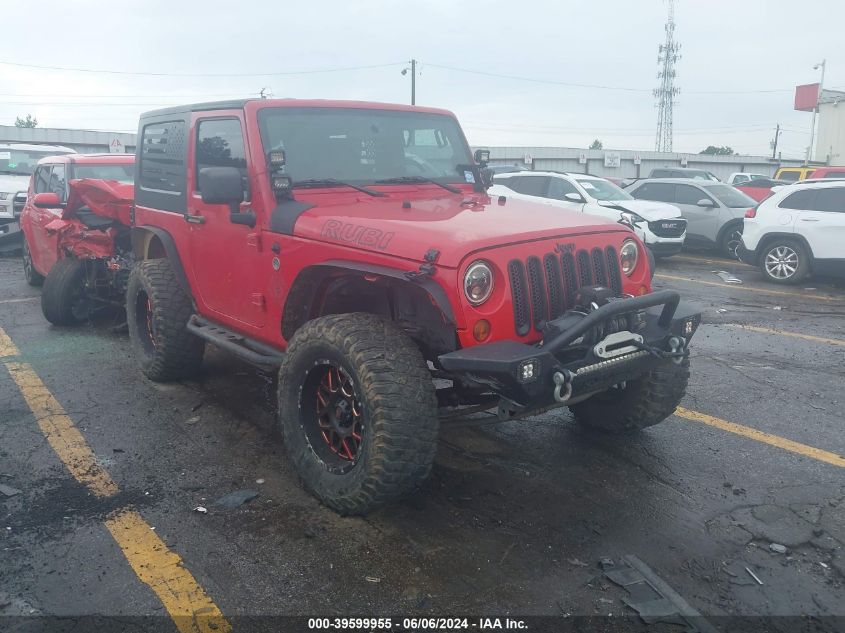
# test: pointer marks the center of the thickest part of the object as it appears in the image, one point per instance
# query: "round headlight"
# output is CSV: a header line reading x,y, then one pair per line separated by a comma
x,y
628,256
478,283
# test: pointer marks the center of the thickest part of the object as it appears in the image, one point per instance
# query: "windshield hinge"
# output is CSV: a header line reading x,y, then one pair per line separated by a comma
x,y
428,268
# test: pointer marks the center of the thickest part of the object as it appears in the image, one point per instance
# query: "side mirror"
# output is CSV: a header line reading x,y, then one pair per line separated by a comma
x,y
482,157
706,203
47,200
574,197
224,185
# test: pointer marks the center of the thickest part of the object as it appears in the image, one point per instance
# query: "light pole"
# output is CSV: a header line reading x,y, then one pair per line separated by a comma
x,y
810,152
413,70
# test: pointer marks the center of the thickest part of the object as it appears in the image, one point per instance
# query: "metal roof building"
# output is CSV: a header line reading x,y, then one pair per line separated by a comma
x,y
83,141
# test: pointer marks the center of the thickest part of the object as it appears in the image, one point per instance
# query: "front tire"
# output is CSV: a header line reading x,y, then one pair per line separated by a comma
x,y
157,311
357,411
63,292
785,261
32,276
731,240
643,402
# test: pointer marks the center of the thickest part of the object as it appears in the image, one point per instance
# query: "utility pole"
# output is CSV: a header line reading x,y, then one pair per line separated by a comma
x,y
815,110
666,92
413,70
775,142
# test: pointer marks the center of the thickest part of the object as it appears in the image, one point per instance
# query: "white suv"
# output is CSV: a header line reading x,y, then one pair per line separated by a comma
x,y
658,224
17,163
799,230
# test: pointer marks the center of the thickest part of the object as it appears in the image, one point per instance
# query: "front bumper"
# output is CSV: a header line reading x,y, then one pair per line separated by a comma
x,y
570,363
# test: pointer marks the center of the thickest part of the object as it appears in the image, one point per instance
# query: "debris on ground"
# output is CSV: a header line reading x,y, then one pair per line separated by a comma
x,y
236,499
727,277
577,562
372,579
193,420
777,548
201,510
653,599
259,481
607,563
8,491
754,576
777,308
721,310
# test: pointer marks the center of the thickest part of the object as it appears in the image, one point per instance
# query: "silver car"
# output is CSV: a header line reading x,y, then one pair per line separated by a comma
x,y
714,211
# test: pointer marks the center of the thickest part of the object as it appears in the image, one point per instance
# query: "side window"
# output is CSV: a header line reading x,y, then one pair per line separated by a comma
x,y
558,188
687,194
790,176
659,191
532,185
162,157
58,182
42,179
799,200
740,179
831,200
835,174
659,173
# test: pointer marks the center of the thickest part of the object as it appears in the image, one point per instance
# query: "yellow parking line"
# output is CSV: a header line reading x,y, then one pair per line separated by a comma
x,y
188,605
191,609
806,337
706,260
747,288
767,438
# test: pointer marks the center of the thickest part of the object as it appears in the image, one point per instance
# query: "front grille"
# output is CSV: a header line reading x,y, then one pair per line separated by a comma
x,y
668,228
18,202
543,288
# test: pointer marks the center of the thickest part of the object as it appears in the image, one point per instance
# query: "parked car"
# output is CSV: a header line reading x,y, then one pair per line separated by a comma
x,y
760,188
798,231
312,245
659,225
827,172
682,172
17,162
61,224
505,169
714,211
791,174
742,177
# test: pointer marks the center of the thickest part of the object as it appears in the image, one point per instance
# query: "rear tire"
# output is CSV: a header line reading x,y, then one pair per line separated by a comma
x,y
157,311
785,261
731,240
64,290
32,276
357,411
643,402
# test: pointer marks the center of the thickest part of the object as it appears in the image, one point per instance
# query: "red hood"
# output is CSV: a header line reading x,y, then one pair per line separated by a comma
x,y
109,198
454,225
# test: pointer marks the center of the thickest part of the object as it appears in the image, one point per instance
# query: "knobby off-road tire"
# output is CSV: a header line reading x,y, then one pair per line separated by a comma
x,y
157,311
394,398
643,402
32,276
63,289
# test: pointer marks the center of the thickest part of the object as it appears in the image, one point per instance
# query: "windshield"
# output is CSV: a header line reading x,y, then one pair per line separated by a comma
x,y
603,189
730,197
122,173
23,162
366,145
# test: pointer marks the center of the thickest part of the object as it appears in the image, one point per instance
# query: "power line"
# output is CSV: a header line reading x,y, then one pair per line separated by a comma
x,y
162,74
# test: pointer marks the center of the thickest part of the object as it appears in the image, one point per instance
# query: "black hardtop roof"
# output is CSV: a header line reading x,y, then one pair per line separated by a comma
x,y
232,104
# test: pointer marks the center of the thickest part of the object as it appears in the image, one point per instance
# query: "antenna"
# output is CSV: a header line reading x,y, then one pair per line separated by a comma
x,y
665,93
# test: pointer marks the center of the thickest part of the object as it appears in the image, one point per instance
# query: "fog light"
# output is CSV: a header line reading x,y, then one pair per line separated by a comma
x,y
481,330
529,370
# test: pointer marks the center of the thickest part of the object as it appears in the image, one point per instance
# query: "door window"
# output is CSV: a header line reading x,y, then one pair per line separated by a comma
x,y
530,185
831,200
58,182
42,179
659,191
558,188
790,176
687,194
220,143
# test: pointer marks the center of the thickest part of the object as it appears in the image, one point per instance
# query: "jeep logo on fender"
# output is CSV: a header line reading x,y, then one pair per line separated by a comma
x,y
356,234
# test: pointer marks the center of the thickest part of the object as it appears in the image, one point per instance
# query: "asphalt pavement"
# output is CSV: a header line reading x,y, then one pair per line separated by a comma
x,y
110,469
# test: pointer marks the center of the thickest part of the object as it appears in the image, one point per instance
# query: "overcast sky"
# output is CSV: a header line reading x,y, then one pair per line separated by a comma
x,y
754,45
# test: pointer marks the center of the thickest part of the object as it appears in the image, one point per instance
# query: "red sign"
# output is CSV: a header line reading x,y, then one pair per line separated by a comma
x,y
806,97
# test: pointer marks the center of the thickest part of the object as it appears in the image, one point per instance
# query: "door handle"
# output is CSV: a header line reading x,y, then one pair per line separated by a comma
x,y
195,219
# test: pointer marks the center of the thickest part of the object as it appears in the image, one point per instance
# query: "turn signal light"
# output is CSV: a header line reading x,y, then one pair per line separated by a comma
x,y
751,213
481,330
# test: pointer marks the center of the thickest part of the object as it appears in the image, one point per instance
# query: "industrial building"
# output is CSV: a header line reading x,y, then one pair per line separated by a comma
x,y
83,141
830,141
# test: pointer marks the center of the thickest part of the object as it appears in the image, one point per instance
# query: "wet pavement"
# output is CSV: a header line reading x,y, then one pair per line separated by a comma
x,y
515,517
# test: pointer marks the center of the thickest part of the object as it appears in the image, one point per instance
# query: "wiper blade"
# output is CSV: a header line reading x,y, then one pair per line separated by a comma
x,y
417,179
331,182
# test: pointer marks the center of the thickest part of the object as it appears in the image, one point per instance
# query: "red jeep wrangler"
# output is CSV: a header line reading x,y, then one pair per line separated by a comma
x,y
353,247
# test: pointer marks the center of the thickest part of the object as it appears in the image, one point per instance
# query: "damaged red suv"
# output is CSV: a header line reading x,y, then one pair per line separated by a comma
x,y
72,227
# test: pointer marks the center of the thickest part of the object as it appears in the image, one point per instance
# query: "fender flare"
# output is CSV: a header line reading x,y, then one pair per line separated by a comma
x,y
169,249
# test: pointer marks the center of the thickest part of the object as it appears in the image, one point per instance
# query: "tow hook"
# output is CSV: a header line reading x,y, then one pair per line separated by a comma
x,y
676,347
563,382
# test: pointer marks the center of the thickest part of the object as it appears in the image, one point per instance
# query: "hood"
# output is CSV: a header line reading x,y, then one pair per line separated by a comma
x,y
13,184
109,198
454,225
646,209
